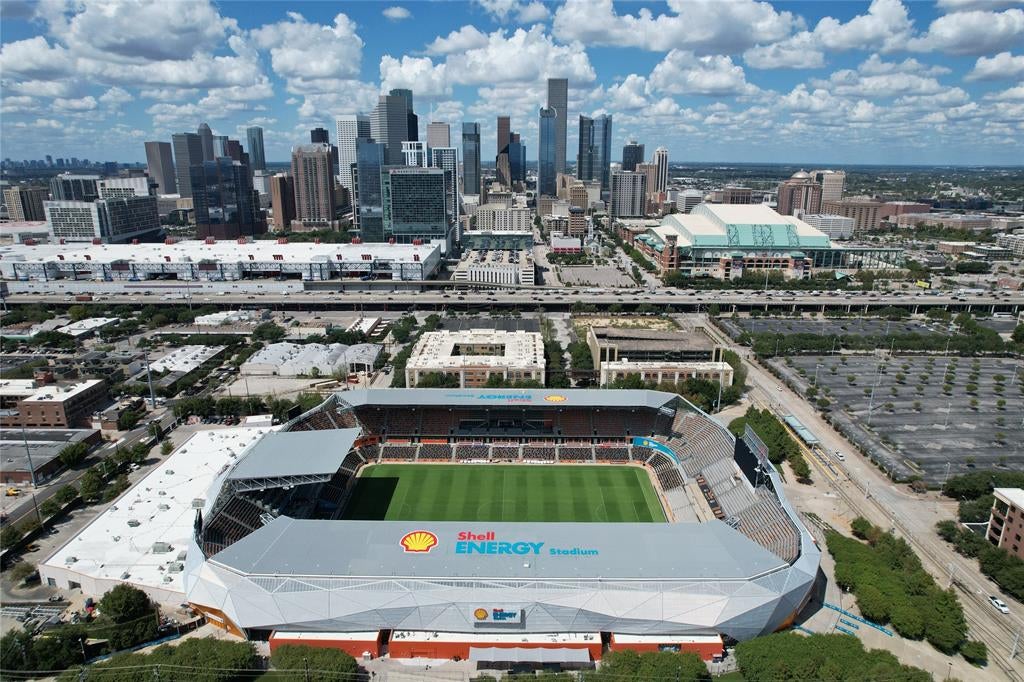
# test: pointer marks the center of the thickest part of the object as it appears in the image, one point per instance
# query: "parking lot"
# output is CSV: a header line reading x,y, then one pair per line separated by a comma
x,y
605,276
838,326
919,415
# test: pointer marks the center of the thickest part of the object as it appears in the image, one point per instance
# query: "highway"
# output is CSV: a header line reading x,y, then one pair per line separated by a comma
x,y
447,295
868,493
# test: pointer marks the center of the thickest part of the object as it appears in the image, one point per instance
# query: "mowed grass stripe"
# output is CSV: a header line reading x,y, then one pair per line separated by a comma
x,y
514,493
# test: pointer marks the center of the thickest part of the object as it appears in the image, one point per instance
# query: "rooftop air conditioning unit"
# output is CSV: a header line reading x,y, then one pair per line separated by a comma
x,y
134,523
161,547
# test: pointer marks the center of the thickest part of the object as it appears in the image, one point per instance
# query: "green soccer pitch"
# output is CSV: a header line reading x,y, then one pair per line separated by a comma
x,y
504,492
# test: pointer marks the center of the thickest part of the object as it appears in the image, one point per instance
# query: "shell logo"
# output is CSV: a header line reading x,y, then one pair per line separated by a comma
x,y
556,398
418,541
480,614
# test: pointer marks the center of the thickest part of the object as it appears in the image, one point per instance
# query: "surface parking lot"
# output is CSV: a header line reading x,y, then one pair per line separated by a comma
x,y
918,414
839,326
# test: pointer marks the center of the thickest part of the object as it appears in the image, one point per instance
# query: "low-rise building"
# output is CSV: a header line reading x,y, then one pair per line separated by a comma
x,y
86,327
955,248
513,268
58,407
894,209
475,355
33,455
863,211
665,372
614,344
479,240
495,217
562,244
1013,242
1006,520
833,226
975,223
311,359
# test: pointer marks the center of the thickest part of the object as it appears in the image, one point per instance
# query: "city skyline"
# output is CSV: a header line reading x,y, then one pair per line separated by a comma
x,y
885,83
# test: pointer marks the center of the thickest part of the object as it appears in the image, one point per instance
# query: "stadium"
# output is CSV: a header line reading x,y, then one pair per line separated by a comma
x,y
502,526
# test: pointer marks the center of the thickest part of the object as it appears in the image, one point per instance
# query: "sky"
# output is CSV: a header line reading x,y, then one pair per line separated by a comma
x,y
885,82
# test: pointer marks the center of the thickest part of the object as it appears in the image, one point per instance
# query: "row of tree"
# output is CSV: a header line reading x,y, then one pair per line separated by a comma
x,y
781,446
886,577
237,406
1006,569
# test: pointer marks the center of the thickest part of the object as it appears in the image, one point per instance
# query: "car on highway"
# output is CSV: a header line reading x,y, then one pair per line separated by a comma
x,y
999,605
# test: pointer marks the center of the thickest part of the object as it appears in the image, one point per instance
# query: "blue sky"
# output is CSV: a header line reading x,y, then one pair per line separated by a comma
x,y
711,80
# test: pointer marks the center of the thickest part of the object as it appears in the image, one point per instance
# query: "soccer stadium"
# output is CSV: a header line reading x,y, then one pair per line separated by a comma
x,y
524,526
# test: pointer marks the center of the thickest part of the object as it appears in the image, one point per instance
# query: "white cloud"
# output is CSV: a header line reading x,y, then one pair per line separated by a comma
x,y
300,49
966,5
705,26
466,38
1012,94
168,94
972,32
115,97
19,104
683,73
64,104
34,58
521,57
419,74
631,93
42,88
876,78
886,27
521,11
875,66
1004,66
396,13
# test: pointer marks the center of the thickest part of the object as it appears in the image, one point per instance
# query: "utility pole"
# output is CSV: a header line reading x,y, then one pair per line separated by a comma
x,y
149,380
28,453
1016,645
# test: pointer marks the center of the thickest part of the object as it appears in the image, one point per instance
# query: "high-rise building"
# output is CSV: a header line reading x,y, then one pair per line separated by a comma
x,y
438,135
160,165
595,145
188,152
313,176
632,154
578,197
502,163
412,120
546,150
799,192
135,186
734,194
282,201
369,211
688,199
25,203
471,158
206,139
220,146
225,204
319,136
414,203
112,221
447,159
650,172
257,155
415,154
577,222
558,99
350,127
389,125
661,161
71,187
865,213
832,183
516,158
628,194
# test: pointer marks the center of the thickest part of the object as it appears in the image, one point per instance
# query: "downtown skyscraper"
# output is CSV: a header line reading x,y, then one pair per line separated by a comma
x,y
257,157
594,159
188,152
350,127
312,173
547,151
160,165
389,125
632,154
471,158
558,99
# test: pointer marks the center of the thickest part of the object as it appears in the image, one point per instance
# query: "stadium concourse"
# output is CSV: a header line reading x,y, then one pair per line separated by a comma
x,y
562,524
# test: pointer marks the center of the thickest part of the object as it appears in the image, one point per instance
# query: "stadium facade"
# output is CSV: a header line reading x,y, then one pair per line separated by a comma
x,y
270,557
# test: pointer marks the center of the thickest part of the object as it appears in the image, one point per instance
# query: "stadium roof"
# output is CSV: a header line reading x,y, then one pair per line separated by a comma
x,y
295,453
740,226
484,397
307,547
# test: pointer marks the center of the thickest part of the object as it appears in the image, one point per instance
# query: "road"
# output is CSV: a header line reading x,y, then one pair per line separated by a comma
x,y
868,493
27,508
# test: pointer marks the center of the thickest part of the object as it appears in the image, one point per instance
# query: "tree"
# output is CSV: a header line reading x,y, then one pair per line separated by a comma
x,y
130,616
975,652
323,665
73,454
66,494
437,380
22,571
91,487
50,508
10,535
166,448
268,331
653,665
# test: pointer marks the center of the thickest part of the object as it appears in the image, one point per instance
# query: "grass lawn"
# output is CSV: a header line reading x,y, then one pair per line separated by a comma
x,y
504,492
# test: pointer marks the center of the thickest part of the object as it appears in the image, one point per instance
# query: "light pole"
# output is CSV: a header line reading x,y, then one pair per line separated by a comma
x,y
28,453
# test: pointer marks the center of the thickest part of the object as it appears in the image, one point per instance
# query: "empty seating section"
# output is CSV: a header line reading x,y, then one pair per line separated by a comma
x,y
505,451
540,452
575,453
766,523
611,453
438,422
372,420
391,451
238,518
346,419
472,451
351,463
573,423
610,423
642,454
736,498
640,423
370,452
436,451
315,421
403,422
667,472
719,472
